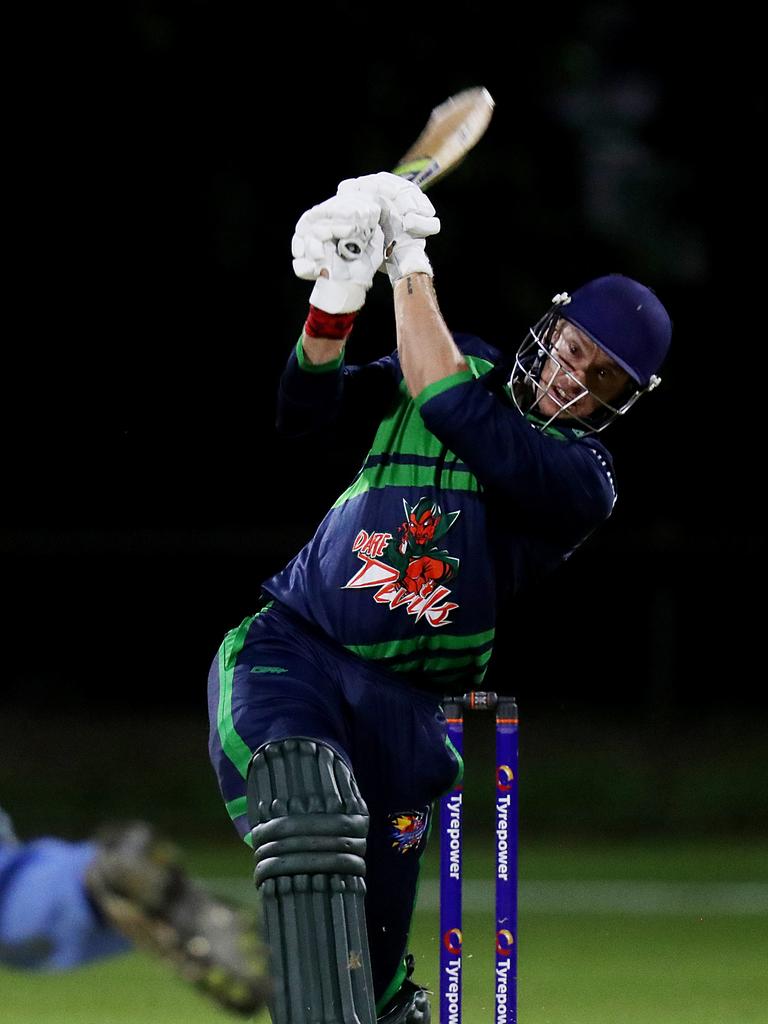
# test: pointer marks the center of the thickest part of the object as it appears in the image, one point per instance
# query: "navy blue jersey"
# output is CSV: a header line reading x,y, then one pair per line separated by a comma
x,y
459,501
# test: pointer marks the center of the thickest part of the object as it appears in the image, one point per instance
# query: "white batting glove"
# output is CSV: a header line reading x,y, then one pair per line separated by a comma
x,y
407,218
342,237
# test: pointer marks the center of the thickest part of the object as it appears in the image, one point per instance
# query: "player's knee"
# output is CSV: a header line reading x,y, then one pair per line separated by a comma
x,y
306,812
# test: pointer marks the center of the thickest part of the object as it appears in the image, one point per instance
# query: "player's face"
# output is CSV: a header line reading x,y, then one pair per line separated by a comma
x,y
578,375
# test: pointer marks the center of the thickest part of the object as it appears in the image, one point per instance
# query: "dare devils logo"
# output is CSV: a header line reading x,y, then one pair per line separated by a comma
x,y
412,572
408,828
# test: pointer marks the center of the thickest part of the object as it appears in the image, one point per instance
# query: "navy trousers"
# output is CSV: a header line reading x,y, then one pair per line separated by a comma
x,y
275,676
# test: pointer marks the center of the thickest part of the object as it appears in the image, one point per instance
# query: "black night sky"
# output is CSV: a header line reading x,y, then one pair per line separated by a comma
x,y
160,159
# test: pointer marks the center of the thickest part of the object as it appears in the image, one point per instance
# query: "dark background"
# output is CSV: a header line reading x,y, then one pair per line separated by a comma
x,y
160,156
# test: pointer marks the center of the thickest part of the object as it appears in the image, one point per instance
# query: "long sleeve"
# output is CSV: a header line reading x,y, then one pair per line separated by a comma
x,y
314,398
559,479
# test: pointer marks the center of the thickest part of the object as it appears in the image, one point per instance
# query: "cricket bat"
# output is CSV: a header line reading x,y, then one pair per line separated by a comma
x,y
454,127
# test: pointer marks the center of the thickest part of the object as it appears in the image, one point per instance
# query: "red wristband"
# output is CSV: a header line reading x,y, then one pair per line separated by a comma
x,y
336,326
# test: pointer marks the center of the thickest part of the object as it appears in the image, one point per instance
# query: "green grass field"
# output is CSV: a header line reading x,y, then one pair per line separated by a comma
x,y
622,934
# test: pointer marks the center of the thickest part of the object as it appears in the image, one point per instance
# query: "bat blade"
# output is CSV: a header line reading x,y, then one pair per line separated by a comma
x,y
454,127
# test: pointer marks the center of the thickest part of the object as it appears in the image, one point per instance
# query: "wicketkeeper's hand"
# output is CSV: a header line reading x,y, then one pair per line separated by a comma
x,y
139,886
407,217
318,246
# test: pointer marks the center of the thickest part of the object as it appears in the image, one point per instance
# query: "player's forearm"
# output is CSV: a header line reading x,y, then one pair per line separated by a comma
x,y
425,346
321,350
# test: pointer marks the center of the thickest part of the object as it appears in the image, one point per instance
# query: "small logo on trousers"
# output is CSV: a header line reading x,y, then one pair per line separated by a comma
x,y
408,829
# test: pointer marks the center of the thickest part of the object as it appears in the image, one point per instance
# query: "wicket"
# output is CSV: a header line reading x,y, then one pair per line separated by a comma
x,y
451,841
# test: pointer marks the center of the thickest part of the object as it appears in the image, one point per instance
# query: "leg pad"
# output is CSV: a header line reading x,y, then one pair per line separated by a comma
x,y
309,829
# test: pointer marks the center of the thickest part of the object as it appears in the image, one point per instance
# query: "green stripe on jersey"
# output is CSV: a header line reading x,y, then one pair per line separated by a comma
x,y
403,433
440,386
444,641
478,365
397,475
434,663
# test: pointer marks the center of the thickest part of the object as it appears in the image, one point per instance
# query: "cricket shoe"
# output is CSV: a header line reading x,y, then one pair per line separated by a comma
x,y
137,883
410,1005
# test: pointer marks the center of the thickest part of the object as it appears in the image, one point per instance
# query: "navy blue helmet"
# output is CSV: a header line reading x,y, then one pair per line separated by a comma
x,y
625,319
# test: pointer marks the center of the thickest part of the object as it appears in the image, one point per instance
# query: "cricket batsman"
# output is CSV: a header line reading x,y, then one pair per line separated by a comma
x,y
327,732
